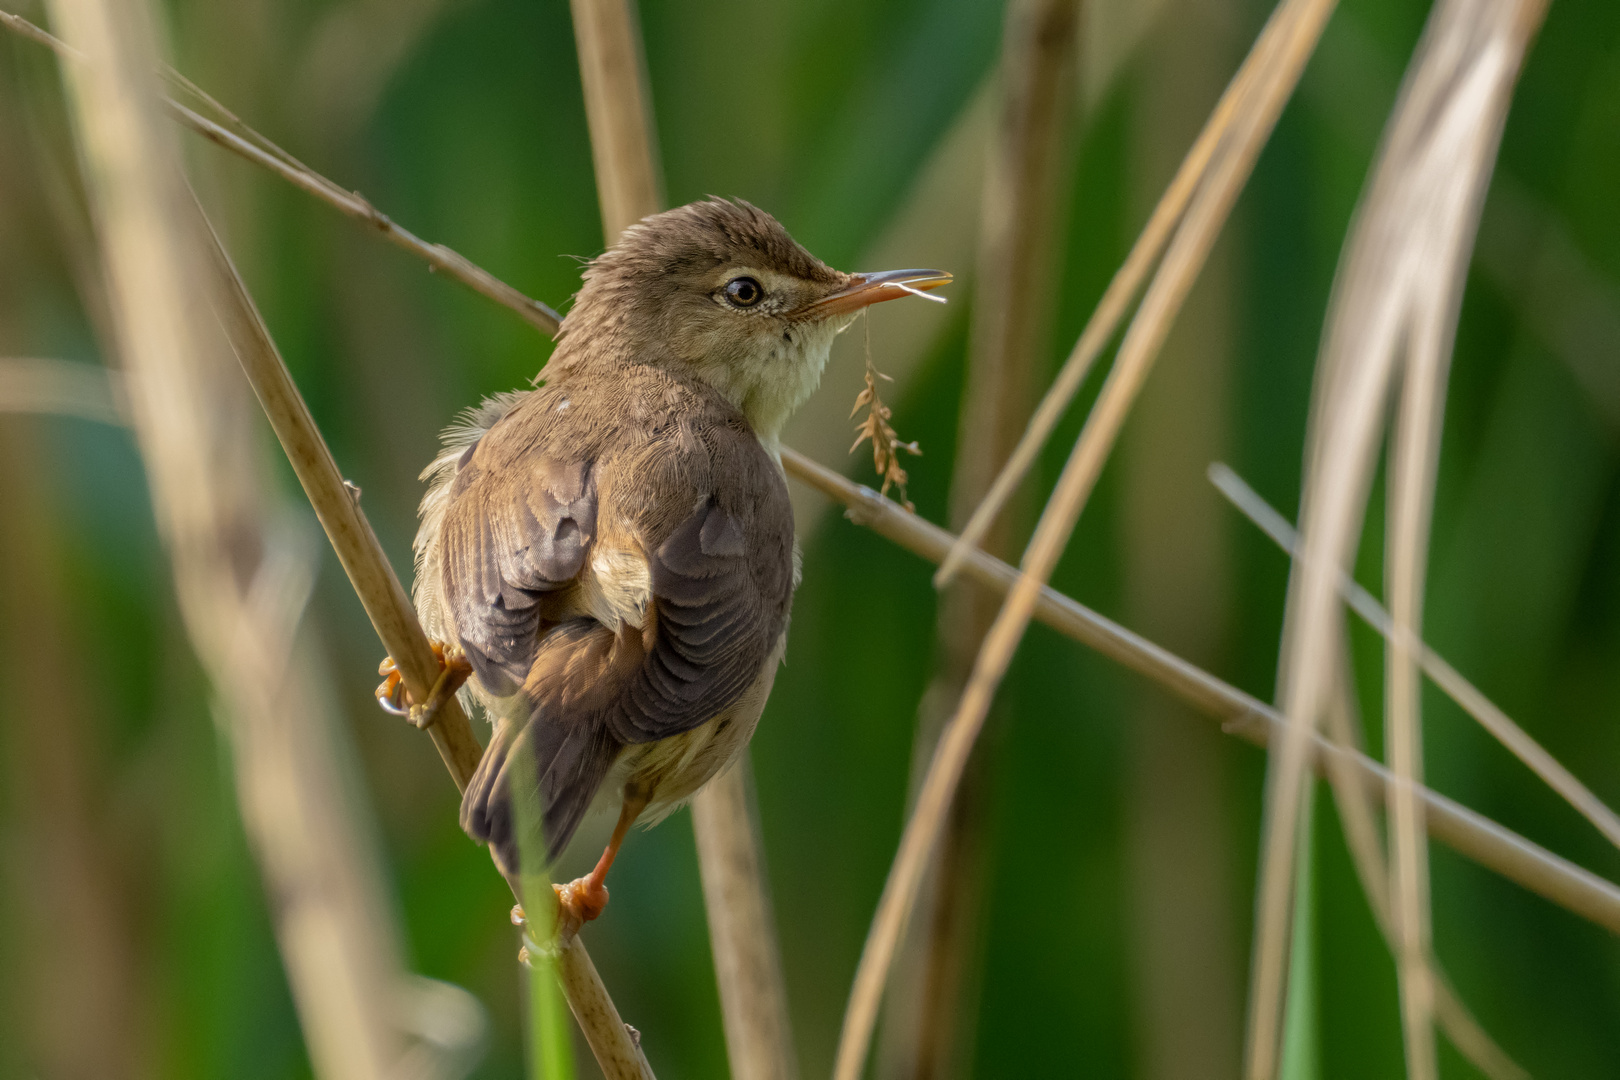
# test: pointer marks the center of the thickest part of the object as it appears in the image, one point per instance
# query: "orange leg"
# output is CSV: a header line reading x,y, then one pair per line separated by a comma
x,y
583,899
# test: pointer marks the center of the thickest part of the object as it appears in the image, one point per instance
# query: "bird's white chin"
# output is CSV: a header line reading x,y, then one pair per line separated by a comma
x,y
782,380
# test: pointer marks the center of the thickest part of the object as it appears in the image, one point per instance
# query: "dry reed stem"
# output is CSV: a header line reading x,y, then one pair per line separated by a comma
x,y
928,1020
747,964
1105,318
1415,225
1471,699
239,595
1367,856
62,388
391,613
1468,833
742,930
615,1045
261,151
372,577
1411,498
1303,21
618,109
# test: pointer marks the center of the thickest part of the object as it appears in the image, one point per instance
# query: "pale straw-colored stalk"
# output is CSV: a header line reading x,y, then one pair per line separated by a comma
x,y
618,110
241,593
928,1019
1359,820
1456,686
1123,287
62,388
1243,715
1302,22
1415,225
336,507
742,926
1470,834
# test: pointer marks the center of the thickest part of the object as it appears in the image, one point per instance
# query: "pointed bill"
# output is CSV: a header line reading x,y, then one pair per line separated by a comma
x,y
864,290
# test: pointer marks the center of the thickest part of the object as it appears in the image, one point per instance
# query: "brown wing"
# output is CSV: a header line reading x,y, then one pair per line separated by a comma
x,y
718,607
710,510
506,545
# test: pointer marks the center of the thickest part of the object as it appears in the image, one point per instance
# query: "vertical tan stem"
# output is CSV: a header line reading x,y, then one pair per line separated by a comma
x,y
624,145
1411,497
1408,249
748,964
1186,961
190,418
929,1026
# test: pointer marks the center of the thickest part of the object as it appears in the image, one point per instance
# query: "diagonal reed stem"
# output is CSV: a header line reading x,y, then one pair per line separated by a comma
x,y
1455,685
1240,714
1301,23
1470,834
1402,265
358,551
1105,318
731,860
391,613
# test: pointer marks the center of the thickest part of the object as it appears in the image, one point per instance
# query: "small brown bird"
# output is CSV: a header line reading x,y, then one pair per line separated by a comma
x,y
613,551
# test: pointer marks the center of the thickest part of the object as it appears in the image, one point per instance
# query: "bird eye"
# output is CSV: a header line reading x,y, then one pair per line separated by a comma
x,y
744,292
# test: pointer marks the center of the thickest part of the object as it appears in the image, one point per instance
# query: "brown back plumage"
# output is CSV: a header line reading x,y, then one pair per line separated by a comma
x,y
614,551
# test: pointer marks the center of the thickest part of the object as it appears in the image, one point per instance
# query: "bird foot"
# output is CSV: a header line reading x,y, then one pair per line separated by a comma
x,y
454,670
580,901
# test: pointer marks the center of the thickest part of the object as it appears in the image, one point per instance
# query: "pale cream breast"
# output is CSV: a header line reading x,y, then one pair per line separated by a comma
x,y
676,768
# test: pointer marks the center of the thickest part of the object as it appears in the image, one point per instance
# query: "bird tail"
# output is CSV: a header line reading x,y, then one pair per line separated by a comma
x,y
556,770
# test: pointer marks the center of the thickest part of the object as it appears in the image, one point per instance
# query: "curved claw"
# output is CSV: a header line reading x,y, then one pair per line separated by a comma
x,y
391,693
395,699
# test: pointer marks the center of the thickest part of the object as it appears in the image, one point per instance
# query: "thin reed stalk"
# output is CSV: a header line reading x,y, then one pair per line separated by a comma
x,y
374,581
1303,21
618,109
742,926
240,593
1466,832
1415,226
1359,820
928,1025
1122,288
1411,498
1470,834
385,601
254,147
1457,687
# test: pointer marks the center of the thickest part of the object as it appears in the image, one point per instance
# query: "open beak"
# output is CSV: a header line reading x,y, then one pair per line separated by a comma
x,y
866,289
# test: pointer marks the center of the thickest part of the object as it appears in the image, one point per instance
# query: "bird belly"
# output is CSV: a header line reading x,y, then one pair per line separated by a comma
x,y
676,768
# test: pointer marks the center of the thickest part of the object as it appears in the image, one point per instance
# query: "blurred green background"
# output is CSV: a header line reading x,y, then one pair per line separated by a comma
x,y
1113,936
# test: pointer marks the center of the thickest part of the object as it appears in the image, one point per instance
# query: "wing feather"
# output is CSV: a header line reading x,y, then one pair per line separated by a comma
x,y
708,510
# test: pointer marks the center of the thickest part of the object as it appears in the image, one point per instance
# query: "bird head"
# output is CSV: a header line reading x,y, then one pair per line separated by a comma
x,y
719,290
